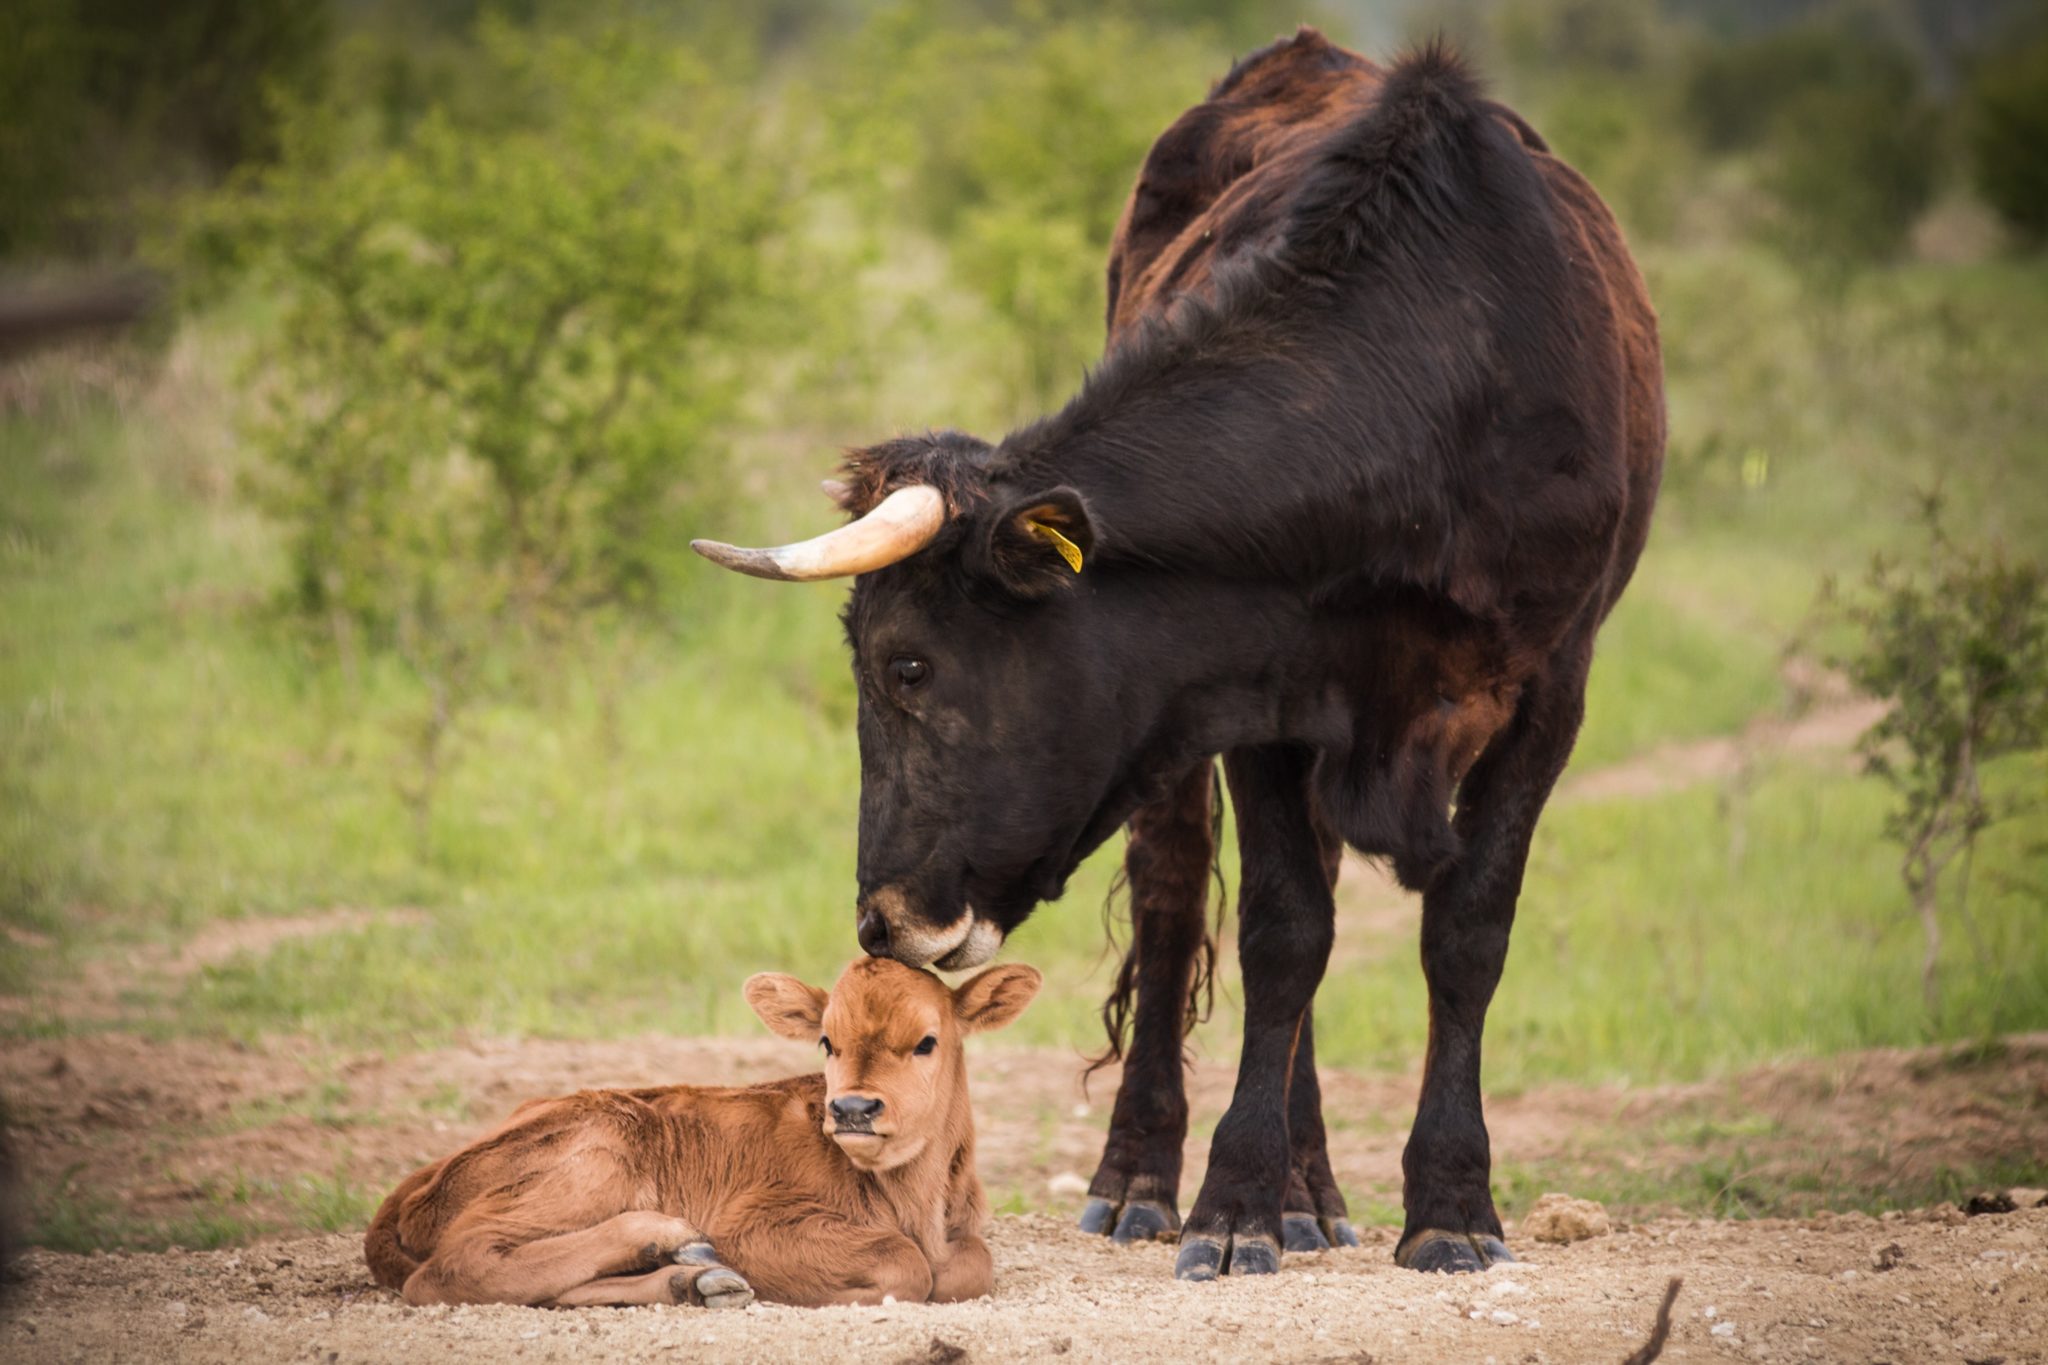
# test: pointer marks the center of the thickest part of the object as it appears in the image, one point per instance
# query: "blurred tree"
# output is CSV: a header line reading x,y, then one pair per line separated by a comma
x,y
1959,646
503,346
1016,147
1848,142
2007,121
103,100
1594,77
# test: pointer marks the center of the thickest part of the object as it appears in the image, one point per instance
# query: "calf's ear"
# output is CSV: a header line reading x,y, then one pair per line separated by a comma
x,y
1039,544
786,1005
996,996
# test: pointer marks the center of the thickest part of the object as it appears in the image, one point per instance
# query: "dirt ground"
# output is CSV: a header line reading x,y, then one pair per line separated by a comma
x,y
159,1128
1934,1287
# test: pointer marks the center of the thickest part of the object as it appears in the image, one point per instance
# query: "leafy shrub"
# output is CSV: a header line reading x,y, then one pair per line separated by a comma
x,y
2007,122
1959,646
502,351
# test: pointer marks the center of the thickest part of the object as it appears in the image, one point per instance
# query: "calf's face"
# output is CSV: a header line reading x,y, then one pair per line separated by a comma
x,y
895,1077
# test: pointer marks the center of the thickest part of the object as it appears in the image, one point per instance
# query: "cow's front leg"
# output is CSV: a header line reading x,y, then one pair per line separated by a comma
x,y
1451,1223
1135,1195
1285,923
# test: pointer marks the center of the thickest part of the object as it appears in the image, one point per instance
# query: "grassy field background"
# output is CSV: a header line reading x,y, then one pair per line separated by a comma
x,y
680,809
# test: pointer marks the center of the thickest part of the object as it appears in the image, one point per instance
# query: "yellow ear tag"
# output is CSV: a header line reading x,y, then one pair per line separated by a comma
x,y
1069,551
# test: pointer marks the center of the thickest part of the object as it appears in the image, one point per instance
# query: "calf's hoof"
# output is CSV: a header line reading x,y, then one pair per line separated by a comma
x,y
717,1287
1136,1220
1451,1253
1203,1257
1340,1232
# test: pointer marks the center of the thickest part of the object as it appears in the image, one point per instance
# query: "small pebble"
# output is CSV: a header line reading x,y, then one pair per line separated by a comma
x,y
1723,1329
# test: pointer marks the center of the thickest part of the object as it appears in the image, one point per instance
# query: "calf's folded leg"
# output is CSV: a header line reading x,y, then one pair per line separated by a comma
x,y
491,1255
968,1272
702,1286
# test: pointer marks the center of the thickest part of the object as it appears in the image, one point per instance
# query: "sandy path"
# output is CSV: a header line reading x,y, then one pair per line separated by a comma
x,y
1960,1289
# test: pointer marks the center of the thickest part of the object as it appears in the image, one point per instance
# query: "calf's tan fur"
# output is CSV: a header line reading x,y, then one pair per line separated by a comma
x,y
711,1195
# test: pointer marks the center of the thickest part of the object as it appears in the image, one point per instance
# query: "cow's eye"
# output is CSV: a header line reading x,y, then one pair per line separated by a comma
x,y
924,1048
826,1043
909,673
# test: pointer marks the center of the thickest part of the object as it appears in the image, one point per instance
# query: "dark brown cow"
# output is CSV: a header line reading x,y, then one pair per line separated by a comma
x,y
846,1187
1370,457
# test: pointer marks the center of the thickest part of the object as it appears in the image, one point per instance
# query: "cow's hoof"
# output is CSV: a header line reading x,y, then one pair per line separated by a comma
x,y
1204,1258
1200,1258
720,1287
1340,1232
1452,1253
696,1253
1145,1221
1136,1220
1298,1232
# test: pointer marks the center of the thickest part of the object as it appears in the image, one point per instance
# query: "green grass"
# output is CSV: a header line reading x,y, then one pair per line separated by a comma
x,y
677,809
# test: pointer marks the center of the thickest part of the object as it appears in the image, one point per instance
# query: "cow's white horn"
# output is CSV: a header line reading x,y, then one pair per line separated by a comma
x,y
899,526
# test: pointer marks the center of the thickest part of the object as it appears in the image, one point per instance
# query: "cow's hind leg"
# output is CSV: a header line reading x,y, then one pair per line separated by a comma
x,y
1316,1217
1467,913
1136,1191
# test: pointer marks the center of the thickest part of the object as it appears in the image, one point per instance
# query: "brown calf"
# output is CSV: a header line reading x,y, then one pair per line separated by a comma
x,y
846,1187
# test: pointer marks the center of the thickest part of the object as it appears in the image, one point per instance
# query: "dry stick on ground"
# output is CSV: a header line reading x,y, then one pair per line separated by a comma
x,y
1659,1333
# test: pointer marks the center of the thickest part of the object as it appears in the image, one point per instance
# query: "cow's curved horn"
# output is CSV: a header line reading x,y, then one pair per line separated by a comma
x,y
899,526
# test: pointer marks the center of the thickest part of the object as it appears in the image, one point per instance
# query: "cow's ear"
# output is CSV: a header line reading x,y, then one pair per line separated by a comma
x,y
1041,543
995,997
786,1005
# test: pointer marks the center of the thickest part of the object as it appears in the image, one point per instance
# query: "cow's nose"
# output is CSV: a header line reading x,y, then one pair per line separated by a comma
x,y
873,932
855,1109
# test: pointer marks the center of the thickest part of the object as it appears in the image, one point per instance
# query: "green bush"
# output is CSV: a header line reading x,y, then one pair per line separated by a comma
x,y
1848,144
485,414
2007,122
1852,169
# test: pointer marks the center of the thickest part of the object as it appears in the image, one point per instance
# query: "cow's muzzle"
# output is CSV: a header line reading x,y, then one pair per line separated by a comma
x,y
886,927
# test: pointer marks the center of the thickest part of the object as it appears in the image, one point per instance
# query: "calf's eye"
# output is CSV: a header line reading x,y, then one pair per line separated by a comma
x,y
924,1049
826,1043
909,672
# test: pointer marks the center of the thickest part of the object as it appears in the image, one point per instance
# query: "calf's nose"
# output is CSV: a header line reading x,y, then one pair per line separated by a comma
x,y
855,1109
873,932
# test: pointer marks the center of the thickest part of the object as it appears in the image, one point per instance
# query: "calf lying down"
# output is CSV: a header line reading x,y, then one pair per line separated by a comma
x,y
845,1187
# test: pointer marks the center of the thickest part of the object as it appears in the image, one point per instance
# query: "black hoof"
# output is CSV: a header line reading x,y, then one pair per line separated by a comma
x,y
1098,1217
1340,1232
1253,1256
1201,1258
1204,1258
1452,1253
1298,1232
1145,1221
